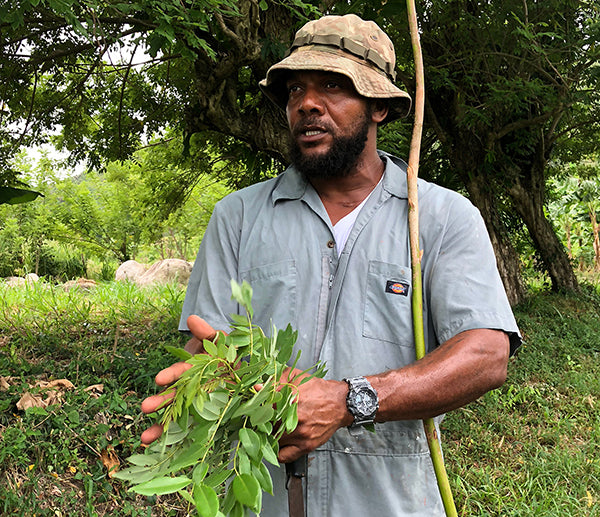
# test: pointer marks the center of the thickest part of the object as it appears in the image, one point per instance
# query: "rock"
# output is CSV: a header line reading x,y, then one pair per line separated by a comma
x,y
130,271
165,272
15,281
81,283
31,278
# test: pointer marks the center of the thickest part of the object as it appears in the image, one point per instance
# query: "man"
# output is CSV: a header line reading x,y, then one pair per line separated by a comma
x,y
325,246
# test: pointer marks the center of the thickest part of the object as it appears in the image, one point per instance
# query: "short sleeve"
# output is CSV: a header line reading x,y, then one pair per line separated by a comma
x,y
463,284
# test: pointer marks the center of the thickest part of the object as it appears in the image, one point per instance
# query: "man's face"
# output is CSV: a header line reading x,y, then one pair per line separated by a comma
x,y
329,123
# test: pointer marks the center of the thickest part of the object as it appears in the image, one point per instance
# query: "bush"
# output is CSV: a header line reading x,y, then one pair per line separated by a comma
x,y
52,261
11,243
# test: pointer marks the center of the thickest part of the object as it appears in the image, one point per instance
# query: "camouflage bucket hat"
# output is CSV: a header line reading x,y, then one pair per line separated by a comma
x,y
346,45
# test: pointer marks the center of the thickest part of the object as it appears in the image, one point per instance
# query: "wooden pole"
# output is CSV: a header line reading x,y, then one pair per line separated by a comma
x,y
415,252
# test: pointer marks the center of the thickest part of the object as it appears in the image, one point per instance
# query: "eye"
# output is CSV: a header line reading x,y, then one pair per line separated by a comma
x,y
332,85
293,88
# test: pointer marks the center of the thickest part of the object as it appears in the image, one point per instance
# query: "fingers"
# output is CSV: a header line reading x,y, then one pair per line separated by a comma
x,y
155,402
151,434
150,405
171,374
290,453
200,328
194,346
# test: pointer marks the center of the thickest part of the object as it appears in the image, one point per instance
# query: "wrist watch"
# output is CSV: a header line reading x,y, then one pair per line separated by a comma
x,y
362,401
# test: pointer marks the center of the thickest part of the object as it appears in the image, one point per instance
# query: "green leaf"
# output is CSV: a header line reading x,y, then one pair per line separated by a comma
x,y
199,473
213,407
269,454
237,510
210,348
236,292
207,502
192,388
143,460
262,474
292,420
15,196
162,485
136,474
247,298
246,490
261,415
179,353
218,478
187,496
257,399
251,443
73,416
285,343
231,354
174,434
239,319
243,295
244,464
188,456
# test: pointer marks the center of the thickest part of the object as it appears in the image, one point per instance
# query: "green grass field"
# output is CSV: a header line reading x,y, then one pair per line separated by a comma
x,y
530,448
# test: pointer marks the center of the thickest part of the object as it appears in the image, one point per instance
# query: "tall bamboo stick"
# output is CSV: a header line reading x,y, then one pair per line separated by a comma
x,y
415,252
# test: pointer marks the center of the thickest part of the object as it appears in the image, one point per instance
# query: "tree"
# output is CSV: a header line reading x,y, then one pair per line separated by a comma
x,y
61,68
507,84
135,206
505,78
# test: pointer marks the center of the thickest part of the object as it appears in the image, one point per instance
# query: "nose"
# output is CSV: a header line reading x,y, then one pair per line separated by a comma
x,y
311,101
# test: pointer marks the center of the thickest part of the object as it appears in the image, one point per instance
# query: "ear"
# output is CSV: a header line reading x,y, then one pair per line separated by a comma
x,y
379,111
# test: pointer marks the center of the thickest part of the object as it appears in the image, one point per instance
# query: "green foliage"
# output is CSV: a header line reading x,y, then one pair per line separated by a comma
x,y
227,415
574,202
108,74
11,242
14,196
155,206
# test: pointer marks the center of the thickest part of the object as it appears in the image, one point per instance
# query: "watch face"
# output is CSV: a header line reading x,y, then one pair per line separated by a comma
x,y
365,402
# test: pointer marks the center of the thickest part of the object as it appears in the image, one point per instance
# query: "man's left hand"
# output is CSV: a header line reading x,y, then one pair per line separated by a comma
x,y
321,412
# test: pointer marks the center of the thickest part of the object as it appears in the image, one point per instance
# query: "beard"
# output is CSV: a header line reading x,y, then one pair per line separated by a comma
x,y
339,160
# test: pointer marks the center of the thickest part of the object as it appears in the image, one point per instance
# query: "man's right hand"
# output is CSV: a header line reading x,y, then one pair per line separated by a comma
x,y
200,330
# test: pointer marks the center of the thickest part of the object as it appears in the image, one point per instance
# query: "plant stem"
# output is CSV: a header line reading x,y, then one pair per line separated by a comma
x,y
415,252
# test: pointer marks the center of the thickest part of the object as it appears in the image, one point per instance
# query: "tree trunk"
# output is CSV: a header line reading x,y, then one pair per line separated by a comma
x,y
507,257
529,205
596,242
569,244
222,99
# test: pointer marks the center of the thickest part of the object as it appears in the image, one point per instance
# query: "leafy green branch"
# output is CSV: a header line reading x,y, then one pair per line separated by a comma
x,y
228,412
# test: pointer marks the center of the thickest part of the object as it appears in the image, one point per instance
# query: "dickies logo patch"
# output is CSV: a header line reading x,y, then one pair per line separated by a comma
x,y
394,287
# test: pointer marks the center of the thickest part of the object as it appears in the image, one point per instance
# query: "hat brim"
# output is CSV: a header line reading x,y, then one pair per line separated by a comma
x,y
367,81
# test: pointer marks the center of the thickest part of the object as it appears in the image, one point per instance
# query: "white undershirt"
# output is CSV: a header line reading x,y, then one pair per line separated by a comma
x,y
342,229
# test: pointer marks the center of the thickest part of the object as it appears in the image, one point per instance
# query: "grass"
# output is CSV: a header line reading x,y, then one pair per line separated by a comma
x,y
54,460
530,448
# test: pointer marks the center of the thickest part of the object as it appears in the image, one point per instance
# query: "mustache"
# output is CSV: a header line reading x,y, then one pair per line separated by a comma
x,y
306,123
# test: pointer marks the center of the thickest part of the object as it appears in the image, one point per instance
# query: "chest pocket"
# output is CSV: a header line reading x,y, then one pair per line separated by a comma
x,y
274,293
387,310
